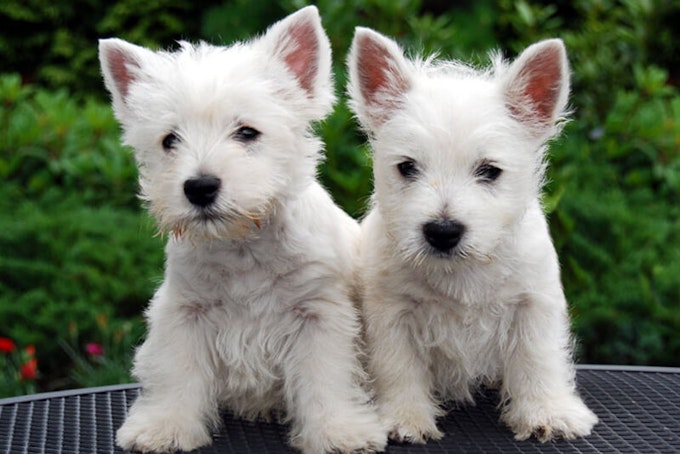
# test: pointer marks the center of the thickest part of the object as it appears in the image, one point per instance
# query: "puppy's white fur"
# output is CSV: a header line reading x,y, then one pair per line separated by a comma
x,y
491,309
255,311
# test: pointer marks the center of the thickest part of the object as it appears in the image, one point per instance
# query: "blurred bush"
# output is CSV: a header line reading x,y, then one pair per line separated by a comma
x,y
75,247
79,259
51,142
54,44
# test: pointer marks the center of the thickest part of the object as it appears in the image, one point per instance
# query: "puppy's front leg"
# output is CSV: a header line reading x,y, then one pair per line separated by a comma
x,y
329,408
177,407
400,371
538,381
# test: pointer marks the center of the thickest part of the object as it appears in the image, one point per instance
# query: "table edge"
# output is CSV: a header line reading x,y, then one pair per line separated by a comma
x,y
121,387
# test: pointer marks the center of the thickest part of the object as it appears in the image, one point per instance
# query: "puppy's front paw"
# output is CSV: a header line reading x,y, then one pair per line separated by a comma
x,y
355,437
413,426
567,417
161,434
359,433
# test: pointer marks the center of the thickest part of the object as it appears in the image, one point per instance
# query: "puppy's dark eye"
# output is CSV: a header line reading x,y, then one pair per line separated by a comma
x,y
246,134
170,141
408,169
488,173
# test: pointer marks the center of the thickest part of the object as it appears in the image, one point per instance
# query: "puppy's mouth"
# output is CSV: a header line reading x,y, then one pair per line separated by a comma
x,y
444,255
210,216
461,253
429,259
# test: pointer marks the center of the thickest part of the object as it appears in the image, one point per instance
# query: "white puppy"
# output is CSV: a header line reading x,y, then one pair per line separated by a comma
x,y
462,283
255,311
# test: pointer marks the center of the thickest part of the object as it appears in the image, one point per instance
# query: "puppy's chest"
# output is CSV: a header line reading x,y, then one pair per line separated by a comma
x,y
463,343
236,282
452,322
463,326
241,303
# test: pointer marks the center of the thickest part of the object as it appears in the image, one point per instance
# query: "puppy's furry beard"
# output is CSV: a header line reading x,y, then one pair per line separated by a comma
x,y
212,224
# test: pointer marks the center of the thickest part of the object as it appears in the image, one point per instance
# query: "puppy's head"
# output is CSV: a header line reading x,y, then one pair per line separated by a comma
x,y
222,134
458,153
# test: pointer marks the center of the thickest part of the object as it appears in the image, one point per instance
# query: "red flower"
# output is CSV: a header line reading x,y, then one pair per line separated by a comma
x,y
30,350
6,345
29,370
94,349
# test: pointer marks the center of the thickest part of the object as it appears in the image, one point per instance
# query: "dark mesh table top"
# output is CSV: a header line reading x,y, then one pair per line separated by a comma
x,y
639,411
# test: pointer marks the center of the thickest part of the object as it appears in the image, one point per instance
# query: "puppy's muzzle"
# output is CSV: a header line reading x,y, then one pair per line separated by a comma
x,y
443,235
202,190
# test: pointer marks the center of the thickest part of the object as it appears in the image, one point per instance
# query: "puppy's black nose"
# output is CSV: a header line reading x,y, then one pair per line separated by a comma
x,y
203,190
443,235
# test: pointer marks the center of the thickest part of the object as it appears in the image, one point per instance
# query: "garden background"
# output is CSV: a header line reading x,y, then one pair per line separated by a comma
x,y
79,258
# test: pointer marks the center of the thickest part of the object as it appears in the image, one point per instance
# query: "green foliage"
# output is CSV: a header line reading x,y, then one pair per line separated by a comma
x,y
617,226
75,245
79,259
55,43
238,20
49,140
64,264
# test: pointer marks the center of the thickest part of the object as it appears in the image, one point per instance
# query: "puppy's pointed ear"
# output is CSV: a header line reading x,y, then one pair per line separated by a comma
x,y
378,77
536,87
301,43
121,64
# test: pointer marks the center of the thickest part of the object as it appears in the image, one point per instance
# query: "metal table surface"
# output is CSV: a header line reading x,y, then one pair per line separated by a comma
x,y
638,407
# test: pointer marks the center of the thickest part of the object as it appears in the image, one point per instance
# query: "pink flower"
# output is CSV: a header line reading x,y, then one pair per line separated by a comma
x,y
29,370
94,349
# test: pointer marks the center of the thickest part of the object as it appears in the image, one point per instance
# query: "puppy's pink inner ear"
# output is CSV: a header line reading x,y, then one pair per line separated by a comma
x,y
302,60
540,83
118,64
377,74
